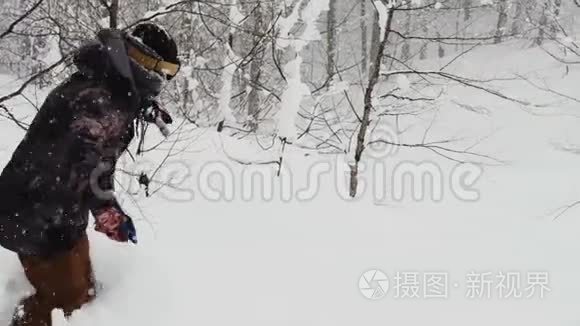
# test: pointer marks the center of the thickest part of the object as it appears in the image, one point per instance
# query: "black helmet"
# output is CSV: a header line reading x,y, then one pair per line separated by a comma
x,y
153,48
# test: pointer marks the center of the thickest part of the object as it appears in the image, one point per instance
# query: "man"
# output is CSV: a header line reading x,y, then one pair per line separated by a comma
x,y
64,166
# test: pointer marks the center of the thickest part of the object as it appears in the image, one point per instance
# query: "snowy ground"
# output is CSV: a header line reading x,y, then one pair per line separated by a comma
x,y
296,262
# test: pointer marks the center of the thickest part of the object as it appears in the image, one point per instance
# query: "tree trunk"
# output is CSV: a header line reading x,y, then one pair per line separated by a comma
x,y
425,45
114,14
440,48
375,40
375,71
516,24
113,11
501,21
557,9
543,24
331,39
364,36
406,50
466,10
256,67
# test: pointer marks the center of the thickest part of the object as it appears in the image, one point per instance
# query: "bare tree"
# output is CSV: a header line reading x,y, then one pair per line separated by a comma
x,y
22,17
215,42
556,13
331,39
518,16
256,64
467,9
406,51
113,10
364,36
374,74
375,39
543,23
501,20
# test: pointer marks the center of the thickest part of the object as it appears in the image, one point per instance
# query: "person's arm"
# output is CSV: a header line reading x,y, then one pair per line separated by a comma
x,y
94,127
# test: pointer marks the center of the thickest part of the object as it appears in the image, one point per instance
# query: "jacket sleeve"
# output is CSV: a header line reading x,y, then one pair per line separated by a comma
x,y
96,128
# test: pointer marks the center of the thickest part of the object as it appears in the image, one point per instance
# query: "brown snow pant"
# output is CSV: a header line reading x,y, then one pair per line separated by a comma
x,y
62,282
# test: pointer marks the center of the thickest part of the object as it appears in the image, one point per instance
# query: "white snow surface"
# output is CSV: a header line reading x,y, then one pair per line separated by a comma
x,y
285,261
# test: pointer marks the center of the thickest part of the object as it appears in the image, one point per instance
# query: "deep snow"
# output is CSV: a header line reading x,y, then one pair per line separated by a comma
x,y
256,262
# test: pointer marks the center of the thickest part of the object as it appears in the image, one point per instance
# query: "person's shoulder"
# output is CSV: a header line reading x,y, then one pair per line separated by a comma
x,y
78,91
88,95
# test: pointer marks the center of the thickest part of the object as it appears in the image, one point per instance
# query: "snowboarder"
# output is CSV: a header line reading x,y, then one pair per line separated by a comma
x,y
64,166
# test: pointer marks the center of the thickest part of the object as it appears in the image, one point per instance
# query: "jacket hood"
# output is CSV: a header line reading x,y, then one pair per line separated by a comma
x,y
93,61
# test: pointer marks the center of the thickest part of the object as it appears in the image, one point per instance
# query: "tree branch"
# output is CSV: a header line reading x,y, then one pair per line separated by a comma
x,y
20,19
32,79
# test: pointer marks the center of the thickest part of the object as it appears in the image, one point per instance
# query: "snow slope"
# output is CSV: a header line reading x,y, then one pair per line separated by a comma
x,y
203,261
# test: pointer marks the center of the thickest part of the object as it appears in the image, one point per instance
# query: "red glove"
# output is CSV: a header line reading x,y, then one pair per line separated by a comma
x,y
115,224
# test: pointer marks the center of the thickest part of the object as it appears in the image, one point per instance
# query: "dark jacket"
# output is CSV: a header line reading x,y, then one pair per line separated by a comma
x,y
64,166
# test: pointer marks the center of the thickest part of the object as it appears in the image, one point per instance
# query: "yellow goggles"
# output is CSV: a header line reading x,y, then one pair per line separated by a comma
x,y
150,63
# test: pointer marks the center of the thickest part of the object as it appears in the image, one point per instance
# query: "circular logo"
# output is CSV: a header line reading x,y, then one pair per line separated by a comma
x,y
374,284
